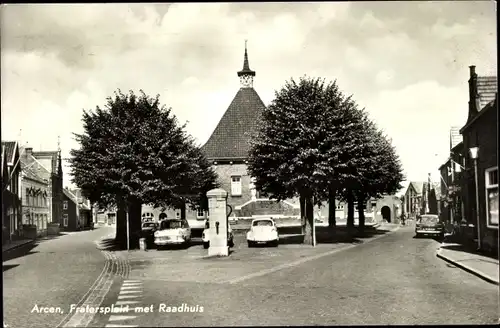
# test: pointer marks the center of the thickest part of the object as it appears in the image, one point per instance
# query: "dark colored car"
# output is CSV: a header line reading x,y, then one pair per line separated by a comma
x,y
429,224
148,230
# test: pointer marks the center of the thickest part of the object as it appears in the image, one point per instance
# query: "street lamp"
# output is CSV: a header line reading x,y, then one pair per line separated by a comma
x,y
474,153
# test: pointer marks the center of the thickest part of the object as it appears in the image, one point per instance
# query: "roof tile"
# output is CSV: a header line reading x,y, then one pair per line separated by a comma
x,y
487,87
231,137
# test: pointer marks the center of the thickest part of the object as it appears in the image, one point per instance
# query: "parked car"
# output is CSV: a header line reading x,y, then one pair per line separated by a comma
x,y
148,229
206,235
173,232
263,231
429,224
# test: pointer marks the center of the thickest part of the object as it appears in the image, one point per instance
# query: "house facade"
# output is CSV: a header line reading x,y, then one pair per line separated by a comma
x,y
11,192
70,212
52,162
413,199
481,130
36,198
452,176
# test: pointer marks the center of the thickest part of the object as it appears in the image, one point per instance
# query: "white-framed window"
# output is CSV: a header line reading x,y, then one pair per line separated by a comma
x,y
236,185
339,207
65,220
491,186
200,213
65,205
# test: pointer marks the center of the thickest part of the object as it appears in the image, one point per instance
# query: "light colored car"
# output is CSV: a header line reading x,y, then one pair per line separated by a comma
x,y
429,224
206,235
263,231
173,232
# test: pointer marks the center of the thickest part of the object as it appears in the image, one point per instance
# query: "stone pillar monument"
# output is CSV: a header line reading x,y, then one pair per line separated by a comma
x,y
217,199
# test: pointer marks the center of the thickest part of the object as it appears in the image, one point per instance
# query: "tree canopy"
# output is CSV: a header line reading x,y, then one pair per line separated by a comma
x,y
313,139
136,150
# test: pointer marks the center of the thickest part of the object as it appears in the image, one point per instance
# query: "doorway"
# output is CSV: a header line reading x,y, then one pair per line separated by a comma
x,y
386,213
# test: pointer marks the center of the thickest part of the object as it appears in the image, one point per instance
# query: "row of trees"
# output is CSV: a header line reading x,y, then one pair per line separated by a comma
x,y
315,143
135,152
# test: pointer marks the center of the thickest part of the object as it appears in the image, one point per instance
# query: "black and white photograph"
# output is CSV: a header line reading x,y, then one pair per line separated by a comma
x,y
249,164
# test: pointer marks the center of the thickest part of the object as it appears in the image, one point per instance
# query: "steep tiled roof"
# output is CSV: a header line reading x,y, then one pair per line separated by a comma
x,y
419,186
69,195
10,148
486,88
52,155
230,138
34,170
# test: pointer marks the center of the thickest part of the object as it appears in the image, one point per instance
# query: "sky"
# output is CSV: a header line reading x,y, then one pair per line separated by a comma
x,y
406,63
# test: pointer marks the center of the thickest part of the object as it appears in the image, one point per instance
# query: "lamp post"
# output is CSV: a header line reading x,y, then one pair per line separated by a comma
x,y
474,153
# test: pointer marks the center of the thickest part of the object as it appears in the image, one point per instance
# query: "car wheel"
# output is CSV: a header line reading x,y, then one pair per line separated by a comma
x,y
206,245
250,244
231,243
276,243
417,235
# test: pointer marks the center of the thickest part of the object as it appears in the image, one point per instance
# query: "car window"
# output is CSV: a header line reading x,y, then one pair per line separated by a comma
x,y
170,224
149,224
429,219
263,223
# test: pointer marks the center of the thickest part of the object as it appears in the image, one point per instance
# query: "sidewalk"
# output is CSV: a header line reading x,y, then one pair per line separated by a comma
x,y
484,267
15,244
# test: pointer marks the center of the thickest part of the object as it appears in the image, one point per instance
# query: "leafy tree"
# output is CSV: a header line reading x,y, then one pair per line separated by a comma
x,y
134,152
303,145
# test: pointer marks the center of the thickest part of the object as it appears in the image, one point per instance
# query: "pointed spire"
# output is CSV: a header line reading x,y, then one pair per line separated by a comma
x,y
246,74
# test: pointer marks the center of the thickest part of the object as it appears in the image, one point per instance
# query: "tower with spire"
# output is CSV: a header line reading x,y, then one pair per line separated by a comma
x,y
246,75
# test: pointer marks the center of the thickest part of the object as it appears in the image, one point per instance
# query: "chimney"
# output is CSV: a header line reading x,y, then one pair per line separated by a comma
x,y
473,94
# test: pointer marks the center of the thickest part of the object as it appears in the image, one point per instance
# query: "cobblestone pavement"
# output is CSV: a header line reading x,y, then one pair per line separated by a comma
x,y
54,273
395,279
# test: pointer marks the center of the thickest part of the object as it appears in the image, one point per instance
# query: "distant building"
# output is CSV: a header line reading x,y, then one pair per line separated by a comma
x,y
481,130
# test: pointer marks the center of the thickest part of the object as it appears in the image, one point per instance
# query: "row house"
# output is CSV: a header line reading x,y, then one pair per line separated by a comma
x,y
11,192
452,175
77,213
36,200
480,181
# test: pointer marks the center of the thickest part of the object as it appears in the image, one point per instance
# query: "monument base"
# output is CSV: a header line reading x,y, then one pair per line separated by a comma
x,y
218,251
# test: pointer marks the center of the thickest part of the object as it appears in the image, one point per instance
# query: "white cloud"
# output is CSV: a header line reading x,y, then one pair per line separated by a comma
x,y
59,59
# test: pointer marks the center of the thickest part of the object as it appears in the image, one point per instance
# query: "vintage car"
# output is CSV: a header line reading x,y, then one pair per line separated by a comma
x,y
206,236
429,224
172,232
263,231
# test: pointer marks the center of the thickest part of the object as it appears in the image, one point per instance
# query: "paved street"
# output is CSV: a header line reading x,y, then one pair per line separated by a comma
x,y
395,279
54,272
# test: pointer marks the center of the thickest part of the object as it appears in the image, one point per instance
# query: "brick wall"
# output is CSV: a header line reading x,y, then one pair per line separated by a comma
x,y
482,133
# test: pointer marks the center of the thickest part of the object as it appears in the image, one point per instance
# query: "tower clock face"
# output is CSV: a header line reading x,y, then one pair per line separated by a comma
x,y
246,81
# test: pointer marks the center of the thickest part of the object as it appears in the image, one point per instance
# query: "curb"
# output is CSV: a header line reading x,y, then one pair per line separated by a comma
x,y
18,246
470,270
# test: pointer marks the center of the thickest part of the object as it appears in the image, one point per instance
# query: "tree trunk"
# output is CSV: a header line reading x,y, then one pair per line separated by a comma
x,y
361,213
183,211
134,216
350,212
309,217
332,222
121,224
302,215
